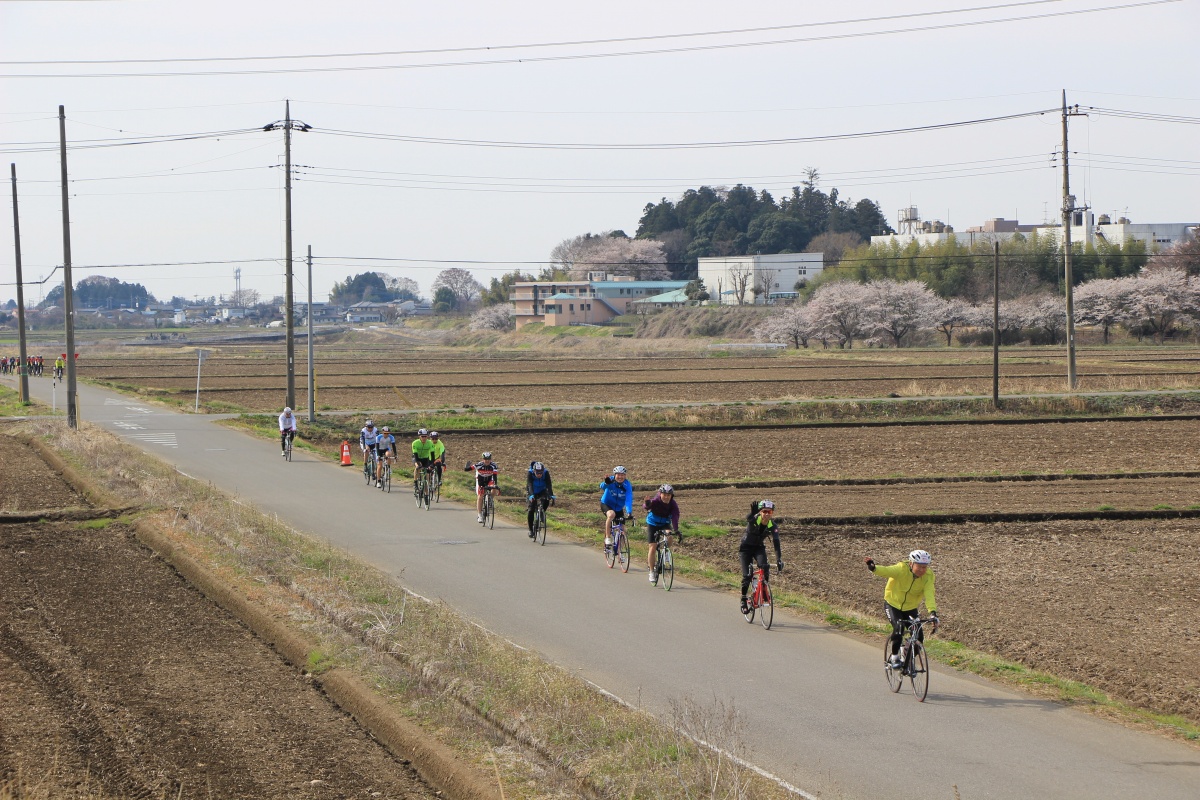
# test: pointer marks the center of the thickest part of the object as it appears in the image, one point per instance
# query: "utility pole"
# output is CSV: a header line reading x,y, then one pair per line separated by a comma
x,y
287,125
1068,214
996,327
21,350
312,377
68,286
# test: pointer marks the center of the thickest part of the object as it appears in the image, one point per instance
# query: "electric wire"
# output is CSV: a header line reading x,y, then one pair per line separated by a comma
x,y
610,54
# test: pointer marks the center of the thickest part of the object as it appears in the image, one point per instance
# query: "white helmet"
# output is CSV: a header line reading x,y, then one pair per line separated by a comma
x,y
618,470
370,423
766,505
920,557
286,410
422,432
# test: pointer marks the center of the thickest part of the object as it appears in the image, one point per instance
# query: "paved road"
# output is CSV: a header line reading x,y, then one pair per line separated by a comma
x,y
815,705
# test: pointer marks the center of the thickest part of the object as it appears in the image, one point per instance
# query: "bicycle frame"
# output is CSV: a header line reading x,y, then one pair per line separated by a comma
x,y
915,662
760,601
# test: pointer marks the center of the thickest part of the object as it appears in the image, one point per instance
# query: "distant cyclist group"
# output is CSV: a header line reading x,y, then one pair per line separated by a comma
x,y
34,366
909,582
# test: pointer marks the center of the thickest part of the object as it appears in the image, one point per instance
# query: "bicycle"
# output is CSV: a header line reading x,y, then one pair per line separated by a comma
x,y
435,485
369,466
385,479
914,662
488,509
664,563
421,486
618,551
760,600
287,446
539,520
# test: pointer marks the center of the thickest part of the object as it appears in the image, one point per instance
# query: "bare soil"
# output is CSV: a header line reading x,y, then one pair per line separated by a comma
x,y
117,679
681,456
256,382
27,485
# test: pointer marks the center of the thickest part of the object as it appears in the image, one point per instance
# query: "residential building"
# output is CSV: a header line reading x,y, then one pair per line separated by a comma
x,y
590,302
742,280
675,298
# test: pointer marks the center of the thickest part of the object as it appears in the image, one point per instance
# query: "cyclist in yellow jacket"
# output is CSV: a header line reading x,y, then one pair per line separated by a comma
x,y
909,582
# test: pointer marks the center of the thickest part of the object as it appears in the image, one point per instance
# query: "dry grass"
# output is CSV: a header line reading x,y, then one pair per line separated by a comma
x,y
474,690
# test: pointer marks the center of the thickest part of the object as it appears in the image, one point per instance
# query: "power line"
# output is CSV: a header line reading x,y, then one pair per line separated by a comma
x,y
395,137
92,144
581,56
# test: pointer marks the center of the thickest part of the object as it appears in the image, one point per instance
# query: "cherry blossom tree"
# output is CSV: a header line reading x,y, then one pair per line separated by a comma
x,y
493,318
896,309
838,309
1048,313
793,325
612,253
1103,303
949,315
1161,298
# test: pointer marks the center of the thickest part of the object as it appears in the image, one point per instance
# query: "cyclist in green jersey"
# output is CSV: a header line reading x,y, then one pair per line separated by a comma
x,y
439,453
422,452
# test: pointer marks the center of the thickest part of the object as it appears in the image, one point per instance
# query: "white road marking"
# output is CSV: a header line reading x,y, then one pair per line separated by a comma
x,y
129,426
164,438
140,409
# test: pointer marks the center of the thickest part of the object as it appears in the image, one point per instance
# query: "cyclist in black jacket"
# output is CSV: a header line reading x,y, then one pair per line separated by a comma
x,y
760,524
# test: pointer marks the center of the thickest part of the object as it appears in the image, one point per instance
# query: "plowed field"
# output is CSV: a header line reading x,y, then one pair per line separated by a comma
x,y
255,380
117,679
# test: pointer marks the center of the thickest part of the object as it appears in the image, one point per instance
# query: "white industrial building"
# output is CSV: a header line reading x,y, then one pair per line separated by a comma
x,y
757,279
1086,229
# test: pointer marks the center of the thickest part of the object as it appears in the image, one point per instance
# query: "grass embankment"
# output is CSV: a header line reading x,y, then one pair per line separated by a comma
x,y
543,731
568,520
11,405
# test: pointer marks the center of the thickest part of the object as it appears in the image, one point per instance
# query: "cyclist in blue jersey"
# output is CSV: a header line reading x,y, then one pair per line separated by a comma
x,y
368,437
616,499
385,448
663,515
539,490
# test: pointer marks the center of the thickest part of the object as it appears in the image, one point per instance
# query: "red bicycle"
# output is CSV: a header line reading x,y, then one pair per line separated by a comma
x,y
759,600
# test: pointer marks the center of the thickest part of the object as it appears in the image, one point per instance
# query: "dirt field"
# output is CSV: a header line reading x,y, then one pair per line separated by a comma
x,y
682,456
119,680
255,380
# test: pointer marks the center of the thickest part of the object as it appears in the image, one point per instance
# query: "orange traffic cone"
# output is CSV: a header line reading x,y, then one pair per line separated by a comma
x,y
346,462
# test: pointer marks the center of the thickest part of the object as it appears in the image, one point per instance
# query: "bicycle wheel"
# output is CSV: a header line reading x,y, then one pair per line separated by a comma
x,y
610,551
287,451
369,468
417,489
387,478
894,678
539,530
751,599
426,491
623,551
666,567
436,489
766,612
918,671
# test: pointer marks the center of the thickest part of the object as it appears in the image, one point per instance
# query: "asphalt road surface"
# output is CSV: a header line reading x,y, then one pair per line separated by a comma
x,y
815,704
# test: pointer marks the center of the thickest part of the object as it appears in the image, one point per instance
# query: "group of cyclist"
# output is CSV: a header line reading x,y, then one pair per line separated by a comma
x,y
35,365
428,450
909,582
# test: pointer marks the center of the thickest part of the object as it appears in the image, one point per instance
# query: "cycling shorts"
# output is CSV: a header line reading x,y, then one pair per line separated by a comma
x,y
424,462
480,485
652,532
605,508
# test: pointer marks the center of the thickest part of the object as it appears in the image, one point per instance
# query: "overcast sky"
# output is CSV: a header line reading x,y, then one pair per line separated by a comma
x,y
361,201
